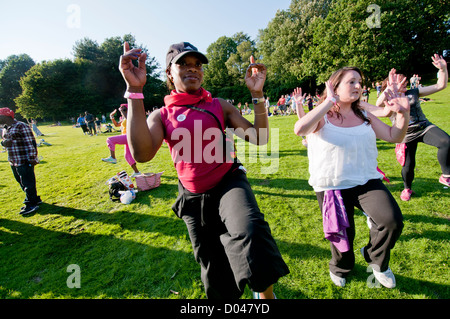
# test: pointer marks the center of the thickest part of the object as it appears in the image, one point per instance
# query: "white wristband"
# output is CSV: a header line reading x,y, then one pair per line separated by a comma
x,y
332,99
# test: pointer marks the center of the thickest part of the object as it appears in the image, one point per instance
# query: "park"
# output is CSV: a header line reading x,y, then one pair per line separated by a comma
x,y
81,245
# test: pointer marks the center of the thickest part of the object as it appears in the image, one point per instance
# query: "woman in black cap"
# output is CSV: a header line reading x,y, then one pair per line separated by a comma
x,y
231,240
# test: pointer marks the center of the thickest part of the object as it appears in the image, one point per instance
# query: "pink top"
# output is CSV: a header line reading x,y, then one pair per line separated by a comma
x,y
196,145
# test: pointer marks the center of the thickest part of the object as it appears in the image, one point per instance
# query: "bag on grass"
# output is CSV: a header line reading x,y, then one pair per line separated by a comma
x,y
148,181
115,187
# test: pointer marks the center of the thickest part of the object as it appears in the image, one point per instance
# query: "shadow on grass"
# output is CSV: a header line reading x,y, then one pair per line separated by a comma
x,y
113,262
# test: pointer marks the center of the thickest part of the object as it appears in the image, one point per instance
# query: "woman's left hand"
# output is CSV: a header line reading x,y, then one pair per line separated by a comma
x,y
439,62
255,77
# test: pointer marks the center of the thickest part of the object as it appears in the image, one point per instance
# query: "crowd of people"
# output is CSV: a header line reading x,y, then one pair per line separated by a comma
x,y
231,240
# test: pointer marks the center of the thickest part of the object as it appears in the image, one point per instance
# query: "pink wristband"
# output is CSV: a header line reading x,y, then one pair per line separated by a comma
x,y
134,96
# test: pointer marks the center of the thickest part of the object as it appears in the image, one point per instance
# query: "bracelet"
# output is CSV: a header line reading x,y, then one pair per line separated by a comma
x,y
261,113
332,99
134,96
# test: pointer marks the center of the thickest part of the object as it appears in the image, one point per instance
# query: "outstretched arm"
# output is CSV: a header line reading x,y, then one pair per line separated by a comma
x,y
441,64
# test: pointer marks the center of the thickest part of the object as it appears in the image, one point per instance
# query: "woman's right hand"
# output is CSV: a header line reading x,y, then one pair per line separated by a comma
x,y
135,77
330,91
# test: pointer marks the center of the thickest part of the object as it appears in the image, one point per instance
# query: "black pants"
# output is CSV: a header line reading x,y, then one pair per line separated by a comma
x,y
434,137
26,178
387,223
231,240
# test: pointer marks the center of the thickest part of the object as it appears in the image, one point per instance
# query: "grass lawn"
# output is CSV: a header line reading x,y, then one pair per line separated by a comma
x,y
142,250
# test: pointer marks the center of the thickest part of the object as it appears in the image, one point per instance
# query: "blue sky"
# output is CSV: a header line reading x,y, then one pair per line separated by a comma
x,y
47,30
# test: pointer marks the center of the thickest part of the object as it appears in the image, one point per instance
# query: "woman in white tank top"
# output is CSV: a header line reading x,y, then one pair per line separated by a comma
x,y
342,156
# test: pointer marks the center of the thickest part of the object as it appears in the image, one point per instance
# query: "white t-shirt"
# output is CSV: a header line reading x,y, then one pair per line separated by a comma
x,y
342,157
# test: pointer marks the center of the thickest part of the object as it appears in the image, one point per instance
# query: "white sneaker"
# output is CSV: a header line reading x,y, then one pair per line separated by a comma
x,y
135,174
385,278
110,160
338,281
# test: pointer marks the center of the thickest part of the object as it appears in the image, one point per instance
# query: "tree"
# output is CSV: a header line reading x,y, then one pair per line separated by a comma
x,y
229,58
283,42
239,60
408,34
104,74
12,70
56,90
216,72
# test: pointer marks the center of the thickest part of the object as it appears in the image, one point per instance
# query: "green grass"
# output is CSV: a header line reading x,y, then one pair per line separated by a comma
x,y
142,250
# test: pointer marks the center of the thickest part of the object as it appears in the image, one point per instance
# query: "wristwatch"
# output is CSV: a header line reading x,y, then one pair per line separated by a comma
x,y
258,100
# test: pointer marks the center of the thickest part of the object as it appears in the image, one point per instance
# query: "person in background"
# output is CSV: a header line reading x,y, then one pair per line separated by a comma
x,y
82,123
90,121
112,141
421,130
19,141
34,127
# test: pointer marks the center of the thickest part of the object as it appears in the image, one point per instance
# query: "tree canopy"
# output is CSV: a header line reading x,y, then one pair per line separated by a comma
x,y
62,89
301,46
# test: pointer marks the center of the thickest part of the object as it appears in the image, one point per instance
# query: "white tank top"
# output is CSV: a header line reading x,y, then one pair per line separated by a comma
x,y
342,157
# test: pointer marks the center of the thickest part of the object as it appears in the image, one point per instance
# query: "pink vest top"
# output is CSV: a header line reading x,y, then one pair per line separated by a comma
x,y
195,143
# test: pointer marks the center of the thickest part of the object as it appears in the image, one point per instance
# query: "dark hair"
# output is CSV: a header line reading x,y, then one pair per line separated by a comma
x,y
335,79
169,82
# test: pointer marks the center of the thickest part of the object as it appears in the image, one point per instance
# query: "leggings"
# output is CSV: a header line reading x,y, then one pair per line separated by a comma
x,y
435,137
231,240
112,141
387,223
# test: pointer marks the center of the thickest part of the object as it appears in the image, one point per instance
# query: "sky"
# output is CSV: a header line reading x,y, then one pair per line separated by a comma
x,y
48,29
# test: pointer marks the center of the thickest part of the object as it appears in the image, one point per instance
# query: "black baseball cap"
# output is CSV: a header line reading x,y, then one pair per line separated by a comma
x,y
176,51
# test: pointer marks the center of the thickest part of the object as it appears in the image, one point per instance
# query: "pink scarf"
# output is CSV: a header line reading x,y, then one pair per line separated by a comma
x,y
176,98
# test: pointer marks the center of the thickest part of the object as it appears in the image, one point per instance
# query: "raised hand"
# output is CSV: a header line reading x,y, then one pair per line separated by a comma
x,y
135,77
439,62
255,76
330,91
396,82
396,101
297,94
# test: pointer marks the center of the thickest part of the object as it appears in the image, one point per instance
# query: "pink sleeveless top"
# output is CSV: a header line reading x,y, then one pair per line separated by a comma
x,y
196,145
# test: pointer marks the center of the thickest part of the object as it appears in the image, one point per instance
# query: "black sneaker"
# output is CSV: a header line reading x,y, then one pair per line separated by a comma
x,y
28,210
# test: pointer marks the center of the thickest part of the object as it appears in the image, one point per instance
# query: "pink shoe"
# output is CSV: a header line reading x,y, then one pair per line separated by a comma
x,y
444,180
406,194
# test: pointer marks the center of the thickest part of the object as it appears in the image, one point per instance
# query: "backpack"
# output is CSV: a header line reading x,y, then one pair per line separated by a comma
x,y
114,187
